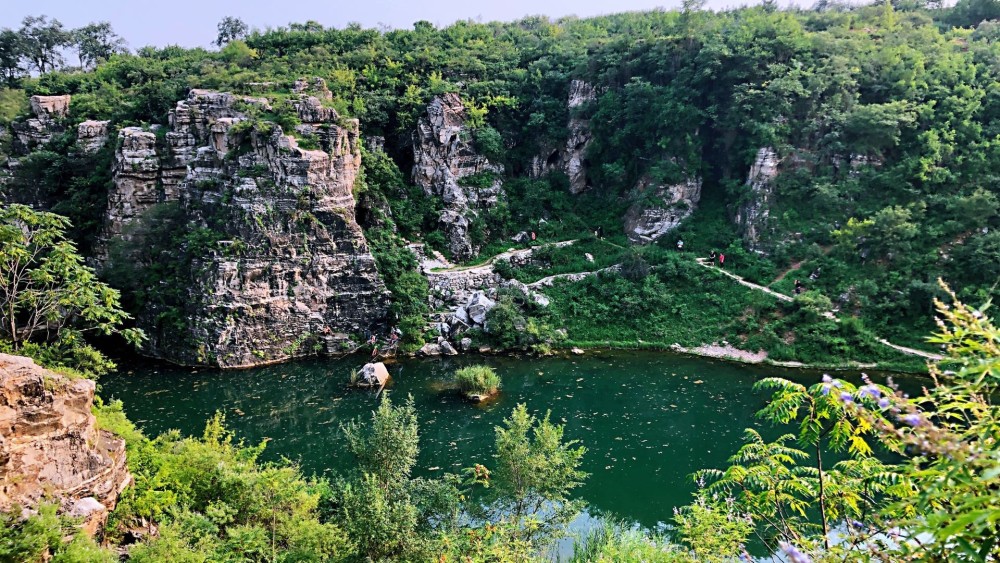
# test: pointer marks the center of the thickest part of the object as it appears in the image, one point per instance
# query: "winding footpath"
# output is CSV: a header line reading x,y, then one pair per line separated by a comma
x,y
787,298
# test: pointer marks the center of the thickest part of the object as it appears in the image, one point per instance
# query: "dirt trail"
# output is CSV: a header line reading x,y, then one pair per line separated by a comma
x,y
787,298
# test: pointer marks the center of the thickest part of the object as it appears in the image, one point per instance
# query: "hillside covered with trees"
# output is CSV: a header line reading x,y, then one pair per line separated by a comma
x,y
527,186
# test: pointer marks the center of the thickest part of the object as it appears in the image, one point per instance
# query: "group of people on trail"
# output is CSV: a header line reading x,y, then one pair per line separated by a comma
x,y
720,256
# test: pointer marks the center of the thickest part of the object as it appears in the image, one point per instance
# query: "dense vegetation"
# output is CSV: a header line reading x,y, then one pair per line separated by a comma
x,y
885,116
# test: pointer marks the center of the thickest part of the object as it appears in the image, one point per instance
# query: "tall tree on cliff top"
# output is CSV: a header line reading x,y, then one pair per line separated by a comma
x,y
11,55
96,42
231,29
41,40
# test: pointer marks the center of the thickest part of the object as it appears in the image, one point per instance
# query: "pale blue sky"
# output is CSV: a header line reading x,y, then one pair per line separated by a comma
x,y
192,23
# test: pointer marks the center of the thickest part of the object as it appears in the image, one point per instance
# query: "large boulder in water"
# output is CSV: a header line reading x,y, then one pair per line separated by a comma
x,y
373,375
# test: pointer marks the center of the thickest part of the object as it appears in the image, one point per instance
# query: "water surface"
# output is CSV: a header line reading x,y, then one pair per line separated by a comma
x,y
648,419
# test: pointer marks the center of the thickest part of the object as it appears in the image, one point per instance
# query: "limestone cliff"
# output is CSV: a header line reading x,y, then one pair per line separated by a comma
x,y
660,208
292,274
48,112
752,213
571,157
445,162
50,447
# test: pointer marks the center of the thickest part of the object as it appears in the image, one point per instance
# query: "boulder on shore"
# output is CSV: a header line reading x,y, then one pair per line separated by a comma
x,y
430,349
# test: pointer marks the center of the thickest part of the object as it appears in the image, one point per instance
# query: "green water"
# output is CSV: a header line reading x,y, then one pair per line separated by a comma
x,y
648,420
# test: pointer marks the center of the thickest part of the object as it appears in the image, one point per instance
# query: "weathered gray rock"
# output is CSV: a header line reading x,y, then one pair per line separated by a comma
x,y
447,349
443,156
51,448
751,216
430,349
49,111
478,306
465,344
571,157
293,275
92,135
660,209
373,375
136,175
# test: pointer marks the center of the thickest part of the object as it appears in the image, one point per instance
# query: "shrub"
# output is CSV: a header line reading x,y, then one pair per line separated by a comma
x,y
477,380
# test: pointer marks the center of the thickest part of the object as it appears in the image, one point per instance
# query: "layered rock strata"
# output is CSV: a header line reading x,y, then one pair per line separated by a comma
x,y
447,166
291,274
571,157
50,447
660,208
48,111
752,214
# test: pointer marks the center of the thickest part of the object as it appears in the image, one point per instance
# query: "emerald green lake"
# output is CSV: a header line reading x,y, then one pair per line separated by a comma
x,y
648,419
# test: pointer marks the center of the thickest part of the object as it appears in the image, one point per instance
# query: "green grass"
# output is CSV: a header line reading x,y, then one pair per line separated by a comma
x,y
477,380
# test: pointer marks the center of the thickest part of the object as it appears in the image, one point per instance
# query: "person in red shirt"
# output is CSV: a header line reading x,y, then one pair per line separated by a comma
x,y
722,259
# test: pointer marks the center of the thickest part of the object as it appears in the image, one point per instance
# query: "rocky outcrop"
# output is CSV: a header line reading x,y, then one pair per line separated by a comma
x,y
48,111
751,215
136,176
659,208
571,157
92,135
447,166
373,375
291,274
50,447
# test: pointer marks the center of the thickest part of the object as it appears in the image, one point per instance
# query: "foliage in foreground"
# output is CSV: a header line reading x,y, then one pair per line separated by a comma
x,y
48,298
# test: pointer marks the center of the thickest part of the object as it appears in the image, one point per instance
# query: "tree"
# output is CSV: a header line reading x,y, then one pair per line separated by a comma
x,y
230,29
41,40
377,507
96,42
11,55
46,291
536,471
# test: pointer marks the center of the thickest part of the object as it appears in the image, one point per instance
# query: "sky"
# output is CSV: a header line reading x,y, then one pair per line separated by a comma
x,y
191,23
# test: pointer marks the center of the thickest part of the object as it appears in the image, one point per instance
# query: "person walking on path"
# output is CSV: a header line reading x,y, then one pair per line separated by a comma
x,y
722,259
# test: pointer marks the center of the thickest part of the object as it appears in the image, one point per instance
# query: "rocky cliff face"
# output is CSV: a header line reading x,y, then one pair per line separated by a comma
x,y
49,112
447,166
293,275
92,135
571,157
50,446
659,209
751,215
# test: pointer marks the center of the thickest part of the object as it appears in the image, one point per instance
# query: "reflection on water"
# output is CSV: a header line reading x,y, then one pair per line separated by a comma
x,y
648,420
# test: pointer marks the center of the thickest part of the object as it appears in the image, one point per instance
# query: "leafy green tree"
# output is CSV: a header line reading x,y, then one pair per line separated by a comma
x,y
42,40
378,508
536,470
11,55
47,294
231,29
97,42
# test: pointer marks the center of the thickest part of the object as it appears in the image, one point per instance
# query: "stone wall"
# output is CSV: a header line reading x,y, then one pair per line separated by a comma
x,y
751,215
293,275
659,208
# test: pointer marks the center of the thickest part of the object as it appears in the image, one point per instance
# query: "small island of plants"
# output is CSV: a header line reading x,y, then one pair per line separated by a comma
x,y
477,383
